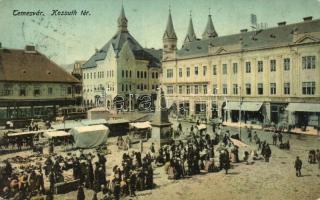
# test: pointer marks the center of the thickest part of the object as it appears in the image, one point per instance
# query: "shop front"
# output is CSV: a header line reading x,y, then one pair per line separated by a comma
x,y
251,112
304,114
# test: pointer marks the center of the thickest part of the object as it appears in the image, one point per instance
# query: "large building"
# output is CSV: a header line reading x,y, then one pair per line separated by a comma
x,y
121,71
270,75
33,86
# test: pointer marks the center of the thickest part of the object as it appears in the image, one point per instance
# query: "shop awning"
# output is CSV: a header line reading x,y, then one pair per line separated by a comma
x,y
245,106
303,107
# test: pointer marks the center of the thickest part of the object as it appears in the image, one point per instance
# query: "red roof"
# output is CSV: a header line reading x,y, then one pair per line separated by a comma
x,y
19,65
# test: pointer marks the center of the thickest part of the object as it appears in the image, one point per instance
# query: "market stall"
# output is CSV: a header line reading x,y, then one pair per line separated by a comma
x,y
89,136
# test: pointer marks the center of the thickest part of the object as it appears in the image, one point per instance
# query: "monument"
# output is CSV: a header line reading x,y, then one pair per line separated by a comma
x,y
161,125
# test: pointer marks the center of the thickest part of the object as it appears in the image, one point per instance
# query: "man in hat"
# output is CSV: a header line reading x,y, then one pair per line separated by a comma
x,y
298,166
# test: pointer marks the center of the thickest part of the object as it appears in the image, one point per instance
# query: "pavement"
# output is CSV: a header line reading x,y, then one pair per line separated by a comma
x,y
259,180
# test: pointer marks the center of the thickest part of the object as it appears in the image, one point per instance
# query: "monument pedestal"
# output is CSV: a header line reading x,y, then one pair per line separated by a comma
x,y
160,134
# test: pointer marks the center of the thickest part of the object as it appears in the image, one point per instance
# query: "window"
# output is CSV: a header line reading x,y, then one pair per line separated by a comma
x,y
286,88
224,69
235,68
169,89
214,89
235,88
260,66
308,88
138,74
169,73
273,89
122,87
214,70
204,70
260,88
205,89
130,74
145,74
152,75
196,89
188,71
248,67
180,72
37,91
122,73
23,91
94,75
180,89
145,86
126,73
126,87
308,62
225,89
196,71
91,75
286,64
188,89
50,91
248,88
273,66
69,90
156,74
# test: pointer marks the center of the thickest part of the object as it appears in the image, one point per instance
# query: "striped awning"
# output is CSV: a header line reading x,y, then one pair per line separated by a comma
x,y
303,107
245,106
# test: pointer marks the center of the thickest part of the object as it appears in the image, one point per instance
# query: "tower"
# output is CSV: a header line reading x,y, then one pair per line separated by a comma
x,y
191,36
209,31
169,40
122,21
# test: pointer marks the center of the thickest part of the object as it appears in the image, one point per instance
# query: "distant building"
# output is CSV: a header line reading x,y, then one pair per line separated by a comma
x,y
32,86
121,71
77,69
271,75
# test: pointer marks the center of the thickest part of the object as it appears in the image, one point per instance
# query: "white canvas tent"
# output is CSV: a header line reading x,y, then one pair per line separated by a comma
x,y
89,136
141,125
55,134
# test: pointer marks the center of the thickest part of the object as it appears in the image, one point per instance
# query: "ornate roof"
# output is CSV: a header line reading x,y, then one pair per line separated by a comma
x,y
116,43
209,30
266,38
191,36
169,32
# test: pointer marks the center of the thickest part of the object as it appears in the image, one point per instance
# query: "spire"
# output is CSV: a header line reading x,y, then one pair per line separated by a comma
x,y
169,32
191,36
122,21
209,32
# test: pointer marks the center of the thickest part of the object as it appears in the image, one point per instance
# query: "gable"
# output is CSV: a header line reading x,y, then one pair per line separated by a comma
x,y
306,39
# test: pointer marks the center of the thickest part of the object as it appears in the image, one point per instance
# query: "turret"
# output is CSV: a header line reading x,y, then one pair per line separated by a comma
x,y
191,36
122,21
169,40
209,31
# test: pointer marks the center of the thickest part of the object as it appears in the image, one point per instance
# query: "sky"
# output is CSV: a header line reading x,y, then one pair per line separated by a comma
x,y
65,39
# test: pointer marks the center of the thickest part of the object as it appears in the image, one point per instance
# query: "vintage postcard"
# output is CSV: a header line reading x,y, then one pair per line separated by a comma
x,y
159,99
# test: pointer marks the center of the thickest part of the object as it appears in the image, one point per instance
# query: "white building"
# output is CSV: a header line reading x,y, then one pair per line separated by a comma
x,y
121,70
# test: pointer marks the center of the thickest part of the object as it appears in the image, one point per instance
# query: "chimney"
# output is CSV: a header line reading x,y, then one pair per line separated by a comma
x,y
243,30
307,19
30,48
282,23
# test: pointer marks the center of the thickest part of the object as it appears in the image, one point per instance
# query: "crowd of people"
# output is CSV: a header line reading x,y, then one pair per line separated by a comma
x,y
180,158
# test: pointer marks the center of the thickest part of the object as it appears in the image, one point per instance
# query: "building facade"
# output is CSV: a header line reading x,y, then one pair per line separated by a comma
x,y
32,86
270,75
122,71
